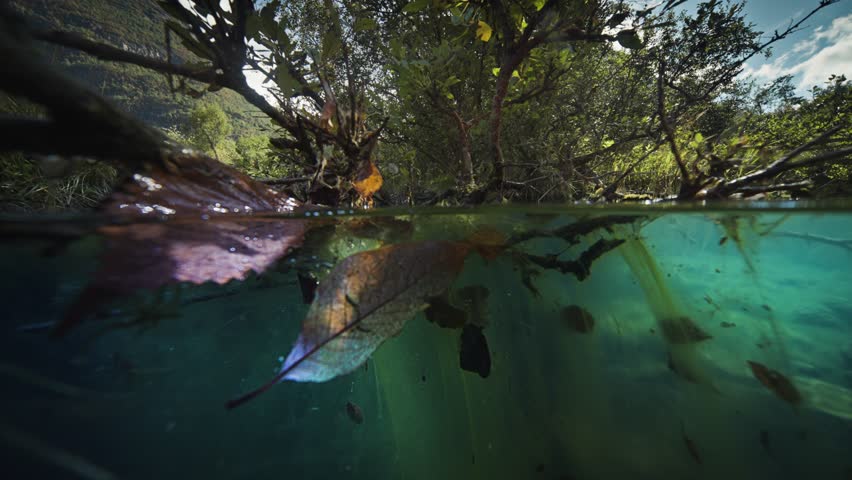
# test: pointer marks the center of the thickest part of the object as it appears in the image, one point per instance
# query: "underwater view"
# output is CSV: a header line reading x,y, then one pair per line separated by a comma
x,y
499,343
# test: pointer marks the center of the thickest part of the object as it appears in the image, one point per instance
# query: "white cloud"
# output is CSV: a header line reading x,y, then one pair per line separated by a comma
x,y
812,60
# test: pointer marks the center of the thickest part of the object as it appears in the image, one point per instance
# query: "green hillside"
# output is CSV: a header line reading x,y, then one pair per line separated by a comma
x,y
137,26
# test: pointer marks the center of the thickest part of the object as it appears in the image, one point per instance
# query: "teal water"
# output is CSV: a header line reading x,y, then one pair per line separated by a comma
x,y
558,404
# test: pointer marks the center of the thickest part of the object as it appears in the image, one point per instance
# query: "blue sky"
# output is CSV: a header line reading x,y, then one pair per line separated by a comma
x,y
821,48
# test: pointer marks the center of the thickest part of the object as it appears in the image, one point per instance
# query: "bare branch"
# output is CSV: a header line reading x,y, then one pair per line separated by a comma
x,y
103,51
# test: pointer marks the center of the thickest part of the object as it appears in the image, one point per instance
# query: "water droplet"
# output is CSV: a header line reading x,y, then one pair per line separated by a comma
x,y
232,249
247,238
330,212
205,217
307,214
316,214
280,359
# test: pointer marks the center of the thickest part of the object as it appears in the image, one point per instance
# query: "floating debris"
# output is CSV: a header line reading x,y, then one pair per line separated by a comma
x,y
723,240
308,284
578,319
777,382
764,441
690,445
683,373
474,299
727,325
473,354
766,307
445,315
354,413
683,330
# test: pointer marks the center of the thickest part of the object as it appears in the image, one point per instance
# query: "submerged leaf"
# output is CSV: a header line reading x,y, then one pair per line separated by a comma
x,y
683,330
578,319
354,413
366,299
775,381
474,299
474,355
444,314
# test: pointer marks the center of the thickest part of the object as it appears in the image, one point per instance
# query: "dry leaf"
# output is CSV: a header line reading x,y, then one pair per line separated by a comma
x,y
368,180
776,381
366,299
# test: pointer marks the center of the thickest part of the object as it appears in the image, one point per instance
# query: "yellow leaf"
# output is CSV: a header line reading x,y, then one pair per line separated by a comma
x,y
483,31
368,180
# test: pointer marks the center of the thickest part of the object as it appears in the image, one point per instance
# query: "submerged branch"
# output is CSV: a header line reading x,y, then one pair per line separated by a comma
x,y
837,242
581,268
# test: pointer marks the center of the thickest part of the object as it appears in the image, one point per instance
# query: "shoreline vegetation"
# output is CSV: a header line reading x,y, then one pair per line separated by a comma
x,y
419,103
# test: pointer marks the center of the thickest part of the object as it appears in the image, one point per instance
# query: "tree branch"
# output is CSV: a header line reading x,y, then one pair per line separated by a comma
x,y
103,51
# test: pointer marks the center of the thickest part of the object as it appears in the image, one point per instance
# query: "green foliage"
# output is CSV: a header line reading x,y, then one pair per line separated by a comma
x,y
207,127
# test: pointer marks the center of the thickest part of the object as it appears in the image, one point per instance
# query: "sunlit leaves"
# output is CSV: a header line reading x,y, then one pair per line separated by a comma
x,y
416,6
363,24
286,81
483,31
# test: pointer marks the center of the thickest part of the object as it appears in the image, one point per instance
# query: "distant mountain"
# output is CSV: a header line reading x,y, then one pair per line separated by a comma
x,y
137,26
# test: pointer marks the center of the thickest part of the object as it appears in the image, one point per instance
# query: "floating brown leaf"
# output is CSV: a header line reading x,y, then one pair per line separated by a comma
x,y
366,299
190,219
578,319
777,382
682,330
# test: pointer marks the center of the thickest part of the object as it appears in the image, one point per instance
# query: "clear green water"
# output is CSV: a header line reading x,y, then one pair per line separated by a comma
x,y
558,404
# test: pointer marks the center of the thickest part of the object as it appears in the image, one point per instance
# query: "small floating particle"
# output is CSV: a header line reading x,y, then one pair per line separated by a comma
x,y
723,240
693,449
727,325
578,319
764,441
354,413
766,307
423,379
718,271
